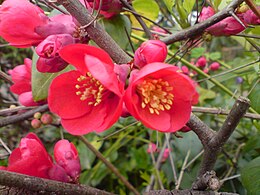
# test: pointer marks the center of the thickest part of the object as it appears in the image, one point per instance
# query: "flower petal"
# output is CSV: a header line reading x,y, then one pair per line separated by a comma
x,y
62,97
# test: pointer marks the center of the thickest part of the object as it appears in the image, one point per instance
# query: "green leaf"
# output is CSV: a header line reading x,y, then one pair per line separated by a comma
x,y
183,15
197,52
169,4
215,56
42,81
148,8
254,98
216,4
250,176
118,25
205,94
188,5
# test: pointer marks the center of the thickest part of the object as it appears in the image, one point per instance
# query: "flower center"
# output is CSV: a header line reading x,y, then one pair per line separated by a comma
x,y
89,89
156,95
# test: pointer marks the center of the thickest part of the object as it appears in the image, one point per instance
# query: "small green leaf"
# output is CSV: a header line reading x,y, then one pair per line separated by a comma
x,y
250,176
188,5
197,52
118,25
183,15
169,4
205,94
216,4
215,56
42,81
254,98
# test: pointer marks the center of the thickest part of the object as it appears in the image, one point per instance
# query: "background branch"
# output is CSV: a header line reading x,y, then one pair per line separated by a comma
x,y
20,117
198,29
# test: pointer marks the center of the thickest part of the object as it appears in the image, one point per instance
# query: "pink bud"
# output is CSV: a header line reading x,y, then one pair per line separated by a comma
x,y
202,61
122,71
152,148
206,70
56,172
46,119
205,13
150,51
36,123
50,65
214,66
66,155
166,154
185,69
250,17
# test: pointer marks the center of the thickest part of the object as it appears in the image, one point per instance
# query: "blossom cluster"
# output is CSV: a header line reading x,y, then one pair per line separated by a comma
x,y
31,158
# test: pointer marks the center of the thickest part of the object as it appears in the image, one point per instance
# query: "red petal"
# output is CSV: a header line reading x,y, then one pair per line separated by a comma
x,y
62,97
103,72
75,55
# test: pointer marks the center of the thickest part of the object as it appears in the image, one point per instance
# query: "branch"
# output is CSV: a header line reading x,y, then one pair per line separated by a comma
x,y
185,192
45,186
95,31
20,117
199,28
222,112
213,142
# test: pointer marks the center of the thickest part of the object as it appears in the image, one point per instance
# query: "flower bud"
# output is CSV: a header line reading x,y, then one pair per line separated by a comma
x,y
66,156
185,69
152,148
36,123
46,119
206,70
250,17
202,61
150,51
214,66
37,115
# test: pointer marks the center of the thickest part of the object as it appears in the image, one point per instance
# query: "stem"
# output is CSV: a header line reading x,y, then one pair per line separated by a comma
x,y
109,165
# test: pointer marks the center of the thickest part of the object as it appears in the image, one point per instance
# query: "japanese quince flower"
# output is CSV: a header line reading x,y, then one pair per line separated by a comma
x,y
30,158
150,51
226,27
18,20
21,76
48,50
160,96
89,98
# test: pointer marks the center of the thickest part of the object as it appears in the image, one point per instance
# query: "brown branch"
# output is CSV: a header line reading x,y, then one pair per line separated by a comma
x,y
199,28
222,112
185,192
45,186
6,77
213,142
95,31
109,165
20,117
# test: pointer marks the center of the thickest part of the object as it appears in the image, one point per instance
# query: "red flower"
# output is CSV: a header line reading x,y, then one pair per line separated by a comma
x,y
30,158
18,20
160,97
150,51
21,76
89,98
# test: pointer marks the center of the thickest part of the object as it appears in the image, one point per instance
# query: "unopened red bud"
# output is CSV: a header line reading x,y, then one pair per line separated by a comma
x,y
202,61
37,115
206,70
150,51
36,123
46,119
214,66
185,69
